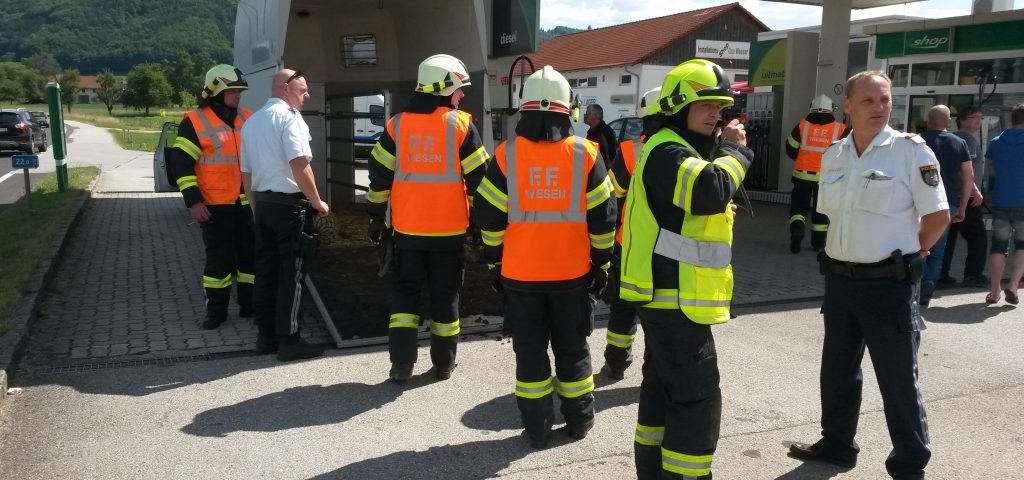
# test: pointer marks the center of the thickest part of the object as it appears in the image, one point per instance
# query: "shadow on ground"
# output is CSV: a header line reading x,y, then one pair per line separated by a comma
x,y
965,314
501,413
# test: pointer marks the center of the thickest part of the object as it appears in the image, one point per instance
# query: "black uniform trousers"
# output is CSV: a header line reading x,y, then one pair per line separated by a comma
x,y
622,322
562,319
442,273
680,411
228,238
280,271
973,231
883,315
803,201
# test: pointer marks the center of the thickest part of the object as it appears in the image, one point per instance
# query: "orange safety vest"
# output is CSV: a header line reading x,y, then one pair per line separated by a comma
x,y
428,196
630,153
217,170
546,238
814,140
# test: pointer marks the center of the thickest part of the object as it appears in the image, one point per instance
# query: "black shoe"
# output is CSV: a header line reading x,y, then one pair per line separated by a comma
x,y
819,452
245,312
976,281
445,372
540,442
266,344
297,349
211,323
817,247
945,282
613,373
927,289
400,372
794,244
579,432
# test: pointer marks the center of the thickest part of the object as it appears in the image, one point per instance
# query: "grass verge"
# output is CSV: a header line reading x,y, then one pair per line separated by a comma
x,y
120,117
25,234
135,140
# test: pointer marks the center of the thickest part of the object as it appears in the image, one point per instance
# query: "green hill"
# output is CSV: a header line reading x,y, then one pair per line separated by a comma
x,y
93,35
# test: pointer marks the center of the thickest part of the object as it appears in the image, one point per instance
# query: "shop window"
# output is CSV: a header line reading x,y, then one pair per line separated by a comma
x,y
857,58
932,74
1004,70
899,75
898,116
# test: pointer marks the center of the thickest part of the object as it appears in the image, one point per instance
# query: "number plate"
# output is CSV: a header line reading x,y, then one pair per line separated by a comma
x,y
25,161
3,130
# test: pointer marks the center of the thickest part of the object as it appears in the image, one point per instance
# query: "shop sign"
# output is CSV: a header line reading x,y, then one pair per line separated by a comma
x,y
514,27
938,40
720,49
767,63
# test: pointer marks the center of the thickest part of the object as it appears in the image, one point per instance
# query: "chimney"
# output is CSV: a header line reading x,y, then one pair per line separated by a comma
x,y
989,6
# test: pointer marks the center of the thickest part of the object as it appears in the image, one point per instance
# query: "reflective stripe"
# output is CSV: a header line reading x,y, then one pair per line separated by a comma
x,y
492,239
798,218
651,436
450,175
627,285
404,320
638,148
599,194
382,196
602,240
493,195
733,167
434,234
186,145
212,282
479,157
534,390
664,298
691,251
187,181
620,192
517,214
577,388
243,199
445,329
620,340
213,133
383,157
806,175
819,227
246,278
683,464
686,177
689,302
792,142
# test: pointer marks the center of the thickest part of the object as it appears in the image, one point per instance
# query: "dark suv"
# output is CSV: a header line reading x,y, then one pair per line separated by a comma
x,y
41,118
19,132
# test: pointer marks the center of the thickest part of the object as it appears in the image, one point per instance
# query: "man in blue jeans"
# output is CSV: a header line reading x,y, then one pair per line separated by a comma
x,y
957,178
1005,169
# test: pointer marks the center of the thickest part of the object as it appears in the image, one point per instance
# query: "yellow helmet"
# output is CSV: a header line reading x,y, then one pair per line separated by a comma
x,y
223,77
441,75
694,81
546,90
648,103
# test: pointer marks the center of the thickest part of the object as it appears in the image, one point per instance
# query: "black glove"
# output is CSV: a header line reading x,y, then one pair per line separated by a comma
x,y
597,280
495,271
375,230
611,291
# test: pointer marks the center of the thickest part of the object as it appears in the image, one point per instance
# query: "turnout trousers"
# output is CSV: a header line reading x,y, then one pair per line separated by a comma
x,y
803,202
622,321
442,274
973,231
679,415
280,267
228,238
563,320
881,315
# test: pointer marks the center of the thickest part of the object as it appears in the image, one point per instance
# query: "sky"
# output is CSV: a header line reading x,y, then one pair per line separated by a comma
x,y
778,16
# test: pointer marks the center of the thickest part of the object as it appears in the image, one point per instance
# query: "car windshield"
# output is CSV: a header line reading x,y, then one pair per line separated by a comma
x,y
9,117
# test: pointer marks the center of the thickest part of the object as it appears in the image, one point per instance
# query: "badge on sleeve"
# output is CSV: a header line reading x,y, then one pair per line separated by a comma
x,y
930,175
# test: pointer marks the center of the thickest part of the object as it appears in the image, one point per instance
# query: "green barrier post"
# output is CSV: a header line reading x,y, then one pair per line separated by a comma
x,y
57,134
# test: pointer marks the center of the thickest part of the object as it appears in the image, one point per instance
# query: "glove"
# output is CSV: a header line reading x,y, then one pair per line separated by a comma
x,y
611,290
495,271
375,230
597,280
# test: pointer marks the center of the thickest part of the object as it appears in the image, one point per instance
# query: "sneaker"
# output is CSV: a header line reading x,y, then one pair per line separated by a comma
x,y
400,372
445,372
266,344
211,322
976,281
290,348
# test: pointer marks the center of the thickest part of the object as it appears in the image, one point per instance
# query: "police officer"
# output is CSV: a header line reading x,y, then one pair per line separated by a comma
x,y
429,156
548,225
805,144
618,353
677,249
205,164
882,191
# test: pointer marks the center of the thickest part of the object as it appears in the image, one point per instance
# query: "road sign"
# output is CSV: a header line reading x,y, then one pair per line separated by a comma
x,y
25,161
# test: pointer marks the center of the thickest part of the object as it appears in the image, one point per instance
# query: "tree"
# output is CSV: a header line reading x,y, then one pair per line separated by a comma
x,y
44,63
69,87
111,90
146,86
17,82
186,99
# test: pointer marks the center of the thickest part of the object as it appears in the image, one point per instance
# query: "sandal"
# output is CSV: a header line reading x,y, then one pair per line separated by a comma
x,y
990,299
1011,296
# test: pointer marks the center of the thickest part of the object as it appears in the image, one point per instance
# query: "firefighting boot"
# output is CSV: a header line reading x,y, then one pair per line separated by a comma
x,y
293,347
400,372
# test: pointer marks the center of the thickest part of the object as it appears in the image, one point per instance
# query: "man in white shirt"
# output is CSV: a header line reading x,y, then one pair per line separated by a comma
x,y
882,192
278,179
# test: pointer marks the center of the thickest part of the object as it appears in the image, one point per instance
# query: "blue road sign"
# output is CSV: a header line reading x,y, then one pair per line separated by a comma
x,y
24,161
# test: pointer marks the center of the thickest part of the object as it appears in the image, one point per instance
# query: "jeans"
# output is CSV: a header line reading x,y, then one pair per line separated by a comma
x,y
933,262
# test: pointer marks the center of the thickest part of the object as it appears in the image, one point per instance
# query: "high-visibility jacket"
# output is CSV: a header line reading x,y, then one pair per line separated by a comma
x,y
703,246
428,196
217,161
546,238
631,151
814,140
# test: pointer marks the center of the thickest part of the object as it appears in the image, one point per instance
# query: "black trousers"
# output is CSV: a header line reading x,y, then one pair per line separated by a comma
x,y
973,231
618,352
441,272
229,241
883,316
803,201
562,319
280,268
680,411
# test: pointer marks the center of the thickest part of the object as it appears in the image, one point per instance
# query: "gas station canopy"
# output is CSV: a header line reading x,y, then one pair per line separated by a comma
x,y
855,4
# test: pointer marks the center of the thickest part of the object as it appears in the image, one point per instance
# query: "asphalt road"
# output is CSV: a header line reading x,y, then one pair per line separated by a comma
x,y
12,185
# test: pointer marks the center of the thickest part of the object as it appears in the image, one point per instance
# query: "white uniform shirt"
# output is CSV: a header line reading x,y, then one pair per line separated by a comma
x,y
271,137
875,201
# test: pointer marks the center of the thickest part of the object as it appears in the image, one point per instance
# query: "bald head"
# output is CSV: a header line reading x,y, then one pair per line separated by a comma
x,y
938,117
290,86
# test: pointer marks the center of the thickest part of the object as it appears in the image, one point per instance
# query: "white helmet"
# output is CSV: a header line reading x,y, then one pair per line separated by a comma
x,y
223,77
822,103
441,75
649,102
546,90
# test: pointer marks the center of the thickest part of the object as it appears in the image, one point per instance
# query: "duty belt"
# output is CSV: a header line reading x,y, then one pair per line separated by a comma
x,y
865,271
291,199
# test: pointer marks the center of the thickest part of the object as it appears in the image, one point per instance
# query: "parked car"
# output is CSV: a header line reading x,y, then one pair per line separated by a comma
x,y
41,118
19,132
627,128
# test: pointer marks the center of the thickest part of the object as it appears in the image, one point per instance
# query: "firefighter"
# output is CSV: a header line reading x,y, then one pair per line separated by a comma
x,y
677,248
618,353
205,164
427,158
806,143
548,225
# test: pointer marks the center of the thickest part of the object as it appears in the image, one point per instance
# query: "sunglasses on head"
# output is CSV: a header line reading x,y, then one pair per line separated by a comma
x,y
297,74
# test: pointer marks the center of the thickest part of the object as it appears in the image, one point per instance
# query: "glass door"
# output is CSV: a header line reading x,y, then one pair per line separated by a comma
x,y
919,106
